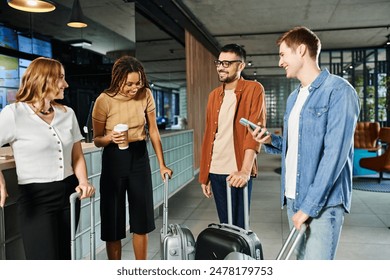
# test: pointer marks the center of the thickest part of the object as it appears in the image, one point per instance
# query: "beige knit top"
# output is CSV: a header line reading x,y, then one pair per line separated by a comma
x,y
112,110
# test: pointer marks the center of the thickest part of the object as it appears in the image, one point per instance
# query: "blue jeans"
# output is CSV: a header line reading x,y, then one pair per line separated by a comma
x,y
323,234
218,184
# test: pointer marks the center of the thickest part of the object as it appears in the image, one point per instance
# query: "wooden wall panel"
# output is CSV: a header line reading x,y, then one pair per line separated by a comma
x,y
202,78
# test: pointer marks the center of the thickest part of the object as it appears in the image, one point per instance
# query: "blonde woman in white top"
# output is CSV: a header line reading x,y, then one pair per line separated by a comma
x,y
50,165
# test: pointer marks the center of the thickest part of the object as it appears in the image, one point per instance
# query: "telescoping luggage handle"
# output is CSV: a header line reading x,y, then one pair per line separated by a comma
x,y
2,234
290,241
73,228
229,205
165,205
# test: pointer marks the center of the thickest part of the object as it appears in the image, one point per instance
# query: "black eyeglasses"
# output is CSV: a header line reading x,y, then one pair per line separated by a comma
x,y
225,63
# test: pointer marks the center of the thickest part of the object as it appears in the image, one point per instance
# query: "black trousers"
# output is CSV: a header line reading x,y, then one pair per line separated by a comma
x,y
44,215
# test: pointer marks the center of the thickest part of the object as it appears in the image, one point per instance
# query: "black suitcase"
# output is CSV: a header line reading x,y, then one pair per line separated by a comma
x,y
218,240
177,240
285,253
73,227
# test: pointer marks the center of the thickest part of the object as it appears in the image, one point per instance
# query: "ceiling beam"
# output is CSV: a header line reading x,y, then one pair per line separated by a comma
x,y
314,30
150,10
191,23
174,18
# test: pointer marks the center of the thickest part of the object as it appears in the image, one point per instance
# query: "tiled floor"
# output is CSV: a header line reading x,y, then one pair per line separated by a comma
x,y
365,235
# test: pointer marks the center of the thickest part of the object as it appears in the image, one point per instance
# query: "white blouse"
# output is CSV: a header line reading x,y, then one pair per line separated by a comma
x,y
42,151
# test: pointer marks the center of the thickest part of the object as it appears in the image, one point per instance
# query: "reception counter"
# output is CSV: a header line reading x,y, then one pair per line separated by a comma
x,y
178,154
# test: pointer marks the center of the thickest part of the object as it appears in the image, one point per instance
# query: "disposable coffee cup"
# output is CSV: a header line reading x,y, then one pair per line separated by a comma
x,y
121,127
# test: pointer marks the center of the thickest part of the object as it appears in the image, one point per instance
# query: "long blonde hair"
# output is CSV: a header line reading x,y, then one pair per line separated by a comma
x,y
39,80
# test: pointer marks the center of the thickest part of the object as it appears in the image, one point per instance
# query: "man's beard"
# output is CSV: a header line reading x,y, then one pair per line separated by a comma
x,y
226,79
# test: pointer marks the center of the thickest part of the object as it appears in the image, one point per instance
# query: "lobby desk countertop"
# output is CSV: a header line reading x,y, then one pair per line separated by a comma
x,y
7,160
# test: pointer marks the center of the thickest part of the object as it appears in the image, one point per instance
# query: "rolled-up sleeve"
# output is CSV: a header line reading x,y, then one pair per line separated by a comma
x,y
276,145
7,126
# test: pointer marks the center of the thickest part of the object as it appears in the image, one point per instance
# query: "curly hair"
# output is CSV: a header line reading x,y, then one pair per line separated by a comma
x,y
122,67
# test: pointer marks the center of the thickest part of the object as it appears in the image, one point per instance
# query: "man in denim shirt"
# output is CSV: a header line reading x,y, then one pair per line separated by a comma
x,y
317,147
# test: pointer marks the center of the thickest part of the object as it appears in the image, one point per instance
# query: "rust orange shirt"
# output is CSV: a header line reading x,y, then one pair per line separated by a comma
x,y
250,105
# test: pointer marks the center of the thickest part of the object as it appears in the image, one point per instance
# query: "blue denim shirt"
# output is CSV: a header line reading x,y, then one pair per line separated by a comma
x,y
325,138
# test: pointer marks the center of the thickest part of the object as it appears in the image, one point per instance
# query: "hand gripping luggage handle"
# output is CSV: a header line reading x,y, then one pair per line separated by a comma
x,y
289,240
165,205
2,234
92,244
229,205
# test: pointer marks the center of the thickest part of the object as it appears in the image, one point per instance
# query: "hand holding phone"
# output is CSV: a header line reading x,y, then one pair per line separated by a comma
x,y
253,126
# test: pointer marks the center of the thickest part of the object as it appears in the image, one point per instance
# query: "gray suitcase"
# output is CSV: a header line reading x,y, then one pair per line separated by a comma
x,y
73,227
2,234
177,241
290,244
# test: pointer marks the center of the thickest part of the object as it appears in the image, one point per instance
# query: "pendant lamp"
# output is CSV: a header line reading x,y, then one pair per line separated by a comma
x,y
77,16
32,6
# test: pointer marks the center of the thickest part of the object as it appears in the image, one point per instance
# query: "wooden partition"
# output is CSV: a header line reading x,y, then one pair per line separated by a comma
x,y
202,78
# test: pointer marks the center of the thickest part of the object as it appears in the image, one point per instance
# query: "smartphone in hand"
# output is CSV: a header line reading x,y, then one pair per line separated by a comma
x,y
253,126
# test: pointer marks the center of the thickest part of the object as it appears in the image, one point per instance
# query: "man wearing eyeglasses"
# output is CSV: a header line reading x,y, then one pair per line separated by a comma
x,y
229,150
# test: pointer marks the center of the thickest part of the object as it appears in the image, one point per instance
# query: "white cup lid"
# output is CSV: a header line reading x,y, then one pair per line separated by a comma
x,y
121,127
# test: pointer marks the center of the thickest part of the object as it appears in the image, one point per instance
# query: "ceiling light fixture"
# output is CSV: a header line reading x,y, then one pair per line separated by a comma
x,y
32,6
80,43
388,40
77,17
